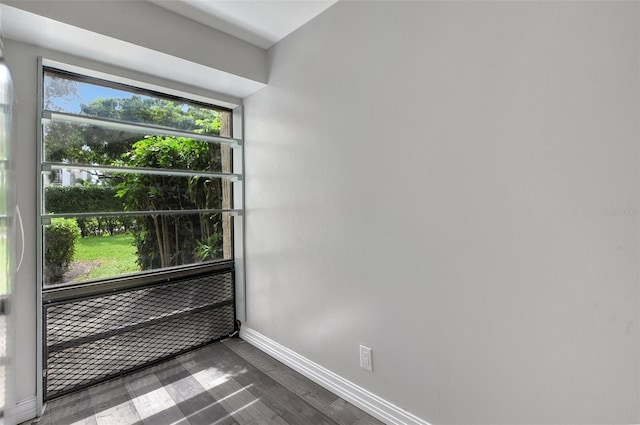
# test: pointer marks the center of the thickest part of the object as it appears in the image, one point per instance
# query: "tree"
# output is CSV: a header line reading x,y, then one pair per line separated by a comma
x,y
161,240
59,91
164,240
86,144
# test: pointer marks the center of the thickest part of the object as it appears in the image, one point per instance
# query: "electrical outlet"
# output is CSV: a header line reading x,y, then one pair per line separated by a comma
x,y
366,359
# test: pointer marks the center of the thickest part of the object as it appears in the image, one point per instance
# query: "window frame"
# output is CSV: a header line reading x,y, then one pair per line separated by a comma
x,y
54,291
114,73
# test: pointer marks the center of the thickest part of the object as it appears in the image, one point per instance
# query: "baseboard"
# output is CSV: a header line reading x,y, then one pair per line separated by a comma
x,y
23,410
354,394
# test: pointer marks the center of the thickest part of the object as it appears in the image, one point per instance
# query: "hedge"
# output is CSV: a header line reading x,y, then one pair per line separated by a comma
x,y
70,199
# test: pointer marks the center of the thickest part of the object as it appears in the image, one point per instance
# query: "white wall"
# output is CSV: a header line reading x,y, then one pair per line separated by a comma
x,y
433,180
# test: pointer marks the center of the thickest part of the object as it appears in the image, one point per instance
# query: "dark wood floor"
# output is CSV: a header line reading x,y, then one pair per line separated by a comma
x,y
224,383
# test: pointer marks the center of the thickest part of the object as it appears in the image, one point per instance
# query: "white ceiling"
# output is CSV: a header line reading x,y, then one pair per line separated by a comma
x,y
259,22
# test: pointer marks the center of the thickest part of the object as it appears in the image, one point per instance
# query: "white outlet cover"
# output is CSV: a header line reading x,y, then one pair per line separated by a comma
x,y
366,358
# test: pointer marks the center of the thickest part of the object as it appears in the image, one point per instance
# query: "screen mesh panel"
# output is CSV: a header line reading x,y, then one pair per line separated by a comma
x,y
90,340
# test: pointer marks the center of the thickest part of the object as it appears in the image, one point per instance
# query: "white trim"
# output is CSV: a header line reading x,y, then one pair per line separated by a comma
x,y
354,394
23,410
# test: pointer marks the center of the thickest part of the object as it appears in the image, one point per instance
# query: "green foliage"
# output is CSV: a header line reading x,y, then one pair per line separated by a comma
x,y
169,152
160,240
65,199
94,145
70,199
168,240
210,249
59,244
140,109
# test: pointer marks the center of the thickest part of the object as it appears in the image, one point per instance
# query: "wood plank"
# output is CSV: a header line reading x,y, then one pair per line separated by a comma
x,y
312,393
153,402
75,408
322,399
243,405
346,413
286,404
193,400
112,404
236,399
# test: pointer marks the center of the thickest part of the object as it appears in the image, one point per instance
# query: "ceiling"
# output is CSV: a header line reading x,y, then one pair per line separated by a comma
x,y
259,22
62,27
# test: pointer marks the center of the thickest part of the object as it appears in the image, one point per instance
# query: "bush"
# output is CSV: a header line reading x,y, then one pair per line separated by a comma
x,y
72,199
211,249
59,246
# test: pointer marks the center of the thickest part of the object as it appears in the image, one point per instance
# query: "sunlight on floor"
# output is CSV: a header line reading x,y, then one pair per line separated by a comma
x,y
147,403
210,378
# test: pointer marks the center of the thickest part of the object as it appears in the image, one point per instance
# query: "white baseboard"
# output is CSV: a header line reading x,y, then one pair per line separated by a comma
x,y
23,410
354,394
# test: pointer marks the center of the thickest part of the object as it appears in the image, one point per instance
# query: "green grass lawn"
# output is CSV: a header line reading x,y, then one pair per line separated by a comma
x,y
106,256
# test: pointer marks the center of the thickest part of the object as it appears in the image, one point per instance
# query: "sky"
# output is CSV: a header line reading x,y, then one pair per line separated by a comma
x,y
89,92
86,94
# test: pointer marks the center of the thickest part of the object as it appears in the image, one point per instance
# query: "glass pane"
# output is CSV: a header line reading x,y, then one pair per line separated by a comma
x,y
68,191
92,145
85,249
117,246
63,92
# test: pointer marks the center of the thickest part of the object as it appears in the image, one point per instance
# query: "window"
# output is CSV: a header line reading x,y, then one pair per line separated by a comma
x,y
132,182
